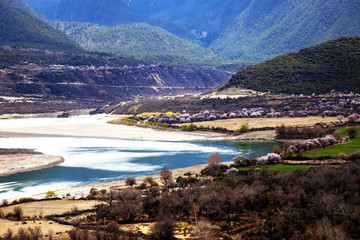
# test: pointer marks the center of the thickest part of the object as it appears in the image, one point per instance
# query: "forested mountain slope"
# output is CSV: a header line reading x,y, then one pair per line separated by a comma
x,y
333,65
139,40
204,19
19,28
103,12
269,28
20,4
247,30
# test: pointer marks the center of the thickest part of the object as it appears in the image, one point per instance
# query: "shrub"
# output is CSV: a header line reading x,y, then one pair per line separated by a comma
x,y
130,181
5,202
352,132
353,117
51,194
163,230
354,156
342,156
241,161
232,171
271,158
35,233
94,192
25,200
243,128
340,117
191,127
276,149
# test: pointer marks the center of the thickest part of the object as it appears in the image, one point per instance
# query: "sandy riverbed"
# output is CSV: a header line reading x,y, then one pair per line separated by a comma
x,y
16,163
97,127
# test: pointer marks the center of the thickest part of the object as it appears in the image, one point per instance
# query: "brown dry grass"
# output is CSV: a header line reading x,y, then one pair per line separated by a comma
x,y
235,123
59,231
50,207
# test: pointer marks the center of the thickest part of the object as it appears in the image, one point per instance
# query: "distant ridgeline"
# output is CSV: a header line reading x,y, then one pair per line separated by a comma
x,y
241,30
20,27
333,65
138,40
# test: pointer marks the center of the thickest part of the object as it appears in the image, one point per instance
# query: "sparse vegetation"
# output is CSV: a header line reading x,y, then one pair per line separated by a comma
x,y
130,181
51,194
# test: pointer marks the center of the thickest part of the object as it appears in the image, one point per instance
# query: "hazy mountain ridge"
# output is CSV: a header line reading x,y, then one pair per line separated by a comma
x,y
248,30
103,12
204,19
264,31
333,65
139,40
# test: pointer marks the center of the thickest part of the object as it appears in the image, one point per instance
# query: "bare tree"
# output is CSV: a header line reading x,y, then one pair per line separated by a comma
x,y
18,212
127,209
214,159
166,176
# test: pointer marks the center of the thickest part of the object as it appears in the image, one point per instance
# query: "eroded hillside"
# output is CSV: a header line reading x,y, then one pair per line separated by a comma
x,y
93,86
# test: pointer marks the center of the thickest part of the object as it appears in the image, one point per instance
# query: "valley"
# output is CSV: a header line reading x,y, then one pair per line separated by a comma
x,y
167,119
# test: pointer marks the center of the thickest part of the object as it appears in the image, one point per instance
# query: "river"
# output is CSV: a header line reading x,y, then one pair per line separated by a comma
x,y
95,160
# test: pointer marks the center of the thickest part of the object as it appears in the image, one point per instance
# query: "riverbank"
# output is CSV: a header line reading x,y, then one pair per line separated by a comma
x,y
97,127
17,163
83,191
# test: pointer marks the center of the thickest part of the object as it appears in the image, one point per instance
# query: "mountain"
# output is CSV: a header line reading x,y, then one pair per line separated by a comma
x,y
20,4
47,87
103,12
333,65
19,28
204,19
247,30
274,27
140,40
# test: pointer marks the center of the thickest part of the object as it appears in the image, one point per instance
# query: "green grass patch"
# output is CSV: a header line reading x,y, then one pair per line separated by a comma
x,y
283,168
341,131
352,146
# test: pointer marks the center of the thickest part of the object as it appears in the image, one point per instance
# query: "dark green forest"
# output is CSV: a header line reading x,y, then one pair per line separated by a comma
x,y
333,65
19,28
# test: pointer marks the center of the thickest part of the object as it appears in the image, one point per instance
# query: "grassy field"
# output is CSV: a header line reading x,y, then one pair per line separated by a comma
x,y
283,168
51,207
59,231
235,123
352,146
44,208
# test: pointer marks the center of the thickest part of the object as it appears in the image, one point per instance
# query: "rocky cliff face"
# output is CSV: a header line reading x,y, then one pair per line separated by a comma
x,y
95,86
